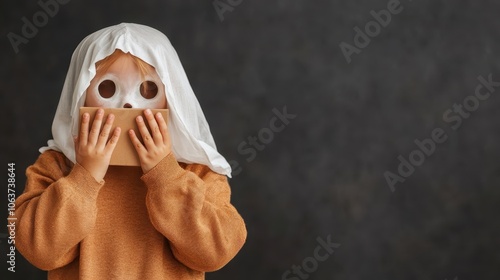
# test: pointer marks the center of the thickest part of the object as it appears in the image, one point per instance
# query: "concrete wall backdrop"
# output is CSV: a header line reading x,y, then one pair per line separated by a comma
x,y
415,92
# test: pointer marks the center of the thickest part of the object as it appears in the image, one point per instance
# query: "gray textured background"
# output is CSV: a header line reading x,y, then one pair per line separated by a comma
x,y
323,174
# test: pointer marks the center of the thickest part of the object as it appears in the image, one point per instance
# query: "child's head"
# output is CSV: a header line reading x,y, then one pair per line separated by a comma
x,y
123,80
132,65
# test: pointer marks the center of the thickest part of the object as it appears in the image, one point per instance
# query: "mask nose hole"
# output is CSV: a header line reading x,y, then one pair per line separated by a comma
x,y
127,105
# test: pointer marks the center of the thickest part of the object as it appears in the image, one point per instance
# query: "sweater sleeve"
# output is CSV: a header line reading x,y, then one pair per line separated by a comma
x,y
191,208
55,212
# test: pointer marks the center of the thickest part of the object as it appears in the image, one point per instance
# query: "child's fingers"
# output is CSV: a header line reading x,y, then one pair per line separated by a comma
x,y
163,127
84,130
104,135
146,136
155,130
137,144
110,146
96,127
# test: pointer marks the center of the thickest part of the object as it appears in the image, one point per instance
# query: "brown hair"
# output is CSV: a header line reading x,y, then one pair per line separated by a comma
x,y
144,67
105,63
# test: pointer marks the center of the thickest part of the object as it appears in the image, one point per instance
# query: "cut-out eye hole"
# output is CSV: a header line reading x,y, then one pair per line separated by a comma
x,y
149,89
107,88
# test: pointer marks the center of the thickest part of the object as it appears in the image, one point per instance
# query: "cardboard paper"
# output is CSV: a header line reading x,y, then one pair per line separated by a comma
x,y
124,153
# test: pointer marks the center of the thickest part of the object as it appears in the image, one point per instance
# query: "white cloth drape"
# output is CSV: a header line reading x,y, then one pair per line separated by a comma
x,y
192,141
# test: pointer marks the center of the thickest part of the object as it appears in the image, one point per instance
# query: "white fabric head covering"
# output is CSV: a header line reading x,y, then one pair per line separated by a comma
x,y
190,134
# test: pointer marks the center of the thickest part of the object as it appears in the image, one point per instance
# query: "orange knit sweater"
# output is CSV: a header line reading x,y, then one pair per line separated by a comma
x,y
174,222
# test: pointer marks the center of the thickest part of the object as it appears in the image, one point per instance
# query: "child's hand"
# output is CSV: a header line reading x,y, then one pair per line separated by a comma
x,y
155,147
93,150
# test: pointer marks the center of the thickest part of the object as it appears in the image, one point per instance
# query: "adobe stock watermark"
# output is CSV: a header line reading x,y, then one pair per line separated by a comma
x,y
254,144
29,30
222,6
455,117
372,29
310,264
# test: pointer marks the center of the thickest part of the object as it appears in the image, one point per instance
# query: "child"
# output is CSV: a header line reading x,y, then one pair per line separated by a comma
x,y
170,218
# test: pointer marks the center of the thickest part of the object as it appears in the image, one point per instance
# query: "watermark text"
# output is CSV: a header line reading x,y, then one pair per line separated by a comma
x,y
11,219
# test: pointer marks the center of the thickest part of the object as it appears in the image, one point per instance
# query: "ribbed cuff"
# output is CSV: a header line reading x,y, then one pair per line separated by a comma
x,y
84,183
167,170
